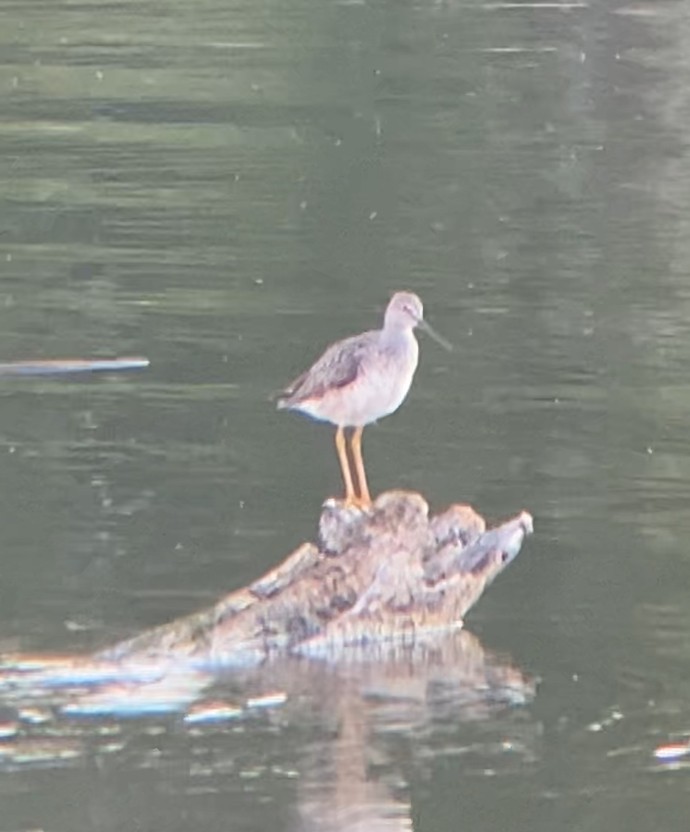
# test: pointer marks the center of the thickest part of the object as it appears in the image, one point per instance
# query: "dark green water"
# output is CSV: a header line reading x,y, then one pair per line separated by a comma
x,y
226,188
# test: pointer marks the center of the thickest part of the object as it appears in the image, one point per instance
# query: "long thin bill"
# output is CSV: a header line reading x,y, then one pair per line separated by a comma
x,y
423,325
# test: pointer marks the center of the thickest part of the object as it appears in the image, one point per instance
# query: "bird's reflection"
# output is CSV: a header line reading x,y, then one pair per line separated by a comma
x,y
352,783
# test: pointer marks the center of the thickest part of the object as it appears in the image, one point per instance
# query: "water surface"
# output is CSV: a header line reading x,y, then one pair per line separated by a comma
x,y
226,188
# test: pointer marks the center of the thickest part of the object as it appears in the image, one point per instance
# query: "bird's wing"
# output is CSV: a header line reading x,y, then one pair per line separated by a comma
x,y
336,368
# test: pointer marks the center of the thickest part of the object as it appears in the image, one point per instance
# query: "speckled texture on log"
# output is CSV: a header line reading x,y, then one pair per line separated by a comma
x,y
389,574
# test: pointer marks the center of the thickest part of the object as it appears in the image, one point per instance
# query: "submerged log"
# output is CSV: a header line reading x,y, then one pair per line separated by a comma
x,y
392,574
71,366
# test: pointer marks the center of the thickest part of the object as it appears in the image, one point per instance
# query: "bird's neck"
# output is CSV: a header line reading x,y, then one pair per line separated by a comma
x,y
395,336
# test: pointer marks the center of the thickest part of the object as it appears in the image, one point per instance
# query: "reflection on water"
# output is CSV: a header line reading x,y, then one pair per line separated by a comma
x,y
57,712
354,783
227,187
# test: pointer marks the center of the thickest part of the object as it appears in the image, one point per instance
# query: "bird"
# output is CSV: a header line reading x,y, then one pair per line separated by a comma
x,y
359,380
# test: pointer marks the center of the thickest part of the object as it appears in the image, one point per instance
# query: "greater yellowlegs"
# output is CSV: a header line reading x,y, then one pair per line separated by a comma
x,y
361,379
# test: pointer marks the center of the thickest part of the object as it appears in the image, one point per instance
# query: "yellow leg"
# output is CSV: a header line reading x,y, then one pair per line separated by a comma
x,y
341,447
364,496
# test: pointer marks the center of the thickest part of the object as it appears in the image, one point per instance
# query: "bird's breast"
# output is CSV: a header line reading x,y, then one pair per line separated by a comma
x,y
385,381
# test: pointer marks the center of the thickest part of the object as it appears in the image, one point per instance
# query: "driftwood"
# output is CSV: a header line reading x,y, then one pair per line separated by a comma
x,y
390,575
370,595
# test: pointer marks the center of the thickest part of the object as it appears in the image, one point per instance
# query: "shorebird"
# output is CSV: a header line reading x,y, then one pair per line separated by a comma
x,y
359,380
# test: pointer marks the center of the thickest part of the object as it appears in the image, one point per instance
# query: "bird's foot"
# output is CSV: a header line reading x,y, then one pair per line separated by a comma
x,y
353,503
361,503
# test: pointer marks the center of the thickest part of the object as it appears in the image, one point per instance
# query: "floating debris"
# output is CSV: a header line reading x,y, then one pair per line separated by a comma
x,y
216,711
270,700
44,751
173,692
672,751
35,716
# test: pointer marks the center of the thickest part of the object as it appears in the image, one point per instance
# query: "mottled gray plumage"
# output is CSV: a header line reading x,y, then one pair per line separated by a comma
x,y
337,367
